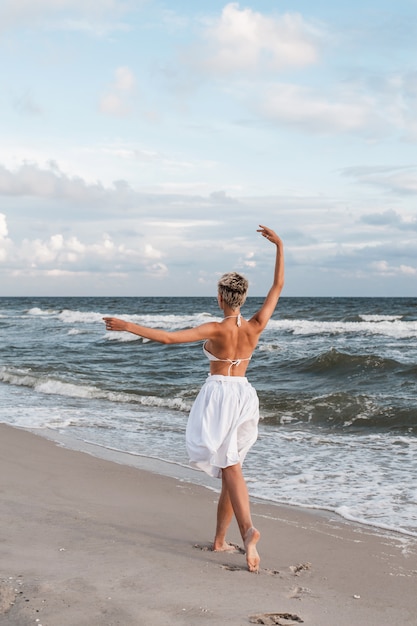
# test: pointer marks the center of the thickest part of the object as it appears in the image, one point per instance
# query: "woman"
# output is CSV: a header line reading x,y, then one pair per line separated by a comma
x,y
222,425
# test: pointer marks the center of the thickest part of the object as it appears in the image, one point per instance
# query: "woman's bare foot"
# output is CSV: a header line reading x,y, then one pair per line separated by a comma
x,y
225,547
251,538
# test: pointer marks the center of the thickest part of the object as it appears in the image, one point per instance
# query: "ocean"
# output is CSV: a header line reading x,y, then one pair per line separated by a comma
x,y
336,379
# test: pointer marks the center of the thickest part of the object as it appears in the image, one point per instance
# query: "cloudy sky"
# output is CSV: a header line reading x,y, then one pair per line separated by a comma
x,y
143,141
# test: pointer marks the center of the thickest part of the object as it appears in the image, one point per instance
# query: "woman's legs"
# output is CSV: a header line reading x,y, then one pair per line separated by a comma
x,y
224,517
234,498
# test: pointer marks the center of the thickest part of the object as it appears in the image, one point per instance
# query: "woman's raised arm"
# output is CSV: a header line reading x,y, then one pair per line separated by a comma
x,y
262,316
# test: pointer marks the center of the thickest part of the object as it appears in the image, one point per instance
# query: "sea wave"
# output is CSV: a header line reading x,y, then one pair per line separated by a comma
x,y
387,325
380,318
341,363
338,410
52,386
68,316
36,311
124,337
395,328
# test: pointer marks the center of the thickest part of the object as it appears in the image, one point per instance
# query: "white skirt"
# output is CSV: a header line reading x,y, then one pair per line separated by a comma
x,y
223,423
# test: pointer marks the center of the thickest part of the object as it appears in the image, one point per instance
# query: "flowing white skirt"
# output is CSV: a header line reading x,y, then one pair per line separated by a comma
x,y
223,423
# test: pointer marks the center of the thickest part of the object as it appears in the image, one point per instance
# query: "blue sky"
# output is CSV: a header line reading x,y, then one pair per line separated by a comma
x,y
142,143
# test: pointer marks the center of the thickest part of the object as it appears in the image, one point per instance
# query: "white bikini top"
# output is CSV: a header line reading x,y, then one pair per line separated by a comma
x,y
233,362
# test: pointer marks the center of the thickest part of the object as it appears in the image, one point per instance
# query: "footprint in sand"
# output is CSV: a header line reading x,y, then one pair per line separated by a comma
x,y
238,568
271,572
282,619
233,548
297,593
204,548
301,567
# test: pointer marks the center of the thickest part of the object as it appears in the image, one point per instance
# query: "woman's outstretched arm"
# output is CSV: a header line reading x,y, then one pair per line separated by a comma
x,y
262,316
204,331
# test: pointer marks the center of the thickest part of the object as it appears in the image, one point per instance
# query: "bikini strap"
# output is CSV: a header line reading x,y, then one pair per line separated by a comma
x,y
238,320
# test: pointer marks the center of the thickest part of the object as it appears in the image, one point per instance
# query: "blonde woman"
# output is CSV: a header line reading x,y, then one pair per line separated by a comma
x,y
223,422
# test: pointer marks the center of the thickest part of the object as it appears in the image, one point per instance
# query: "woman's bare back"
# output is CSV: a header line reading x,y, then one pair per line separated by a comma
x,y
233,345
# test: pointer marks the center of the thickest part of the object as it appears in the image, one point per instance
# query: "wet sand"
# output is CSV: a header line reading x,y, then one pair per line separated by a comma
x,y
89,542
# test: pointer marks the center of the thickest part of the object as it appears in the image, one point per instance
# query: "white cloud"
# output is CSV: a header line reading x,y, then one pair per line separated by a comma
x,y
34,181
54,250
124,79
151,253
246,40
37,252
5,243
303,107
396,98
382,267
249,260
385,269
117,100
391,219
253,45
3,226
158,270
319,242
31,180
58,254
397,179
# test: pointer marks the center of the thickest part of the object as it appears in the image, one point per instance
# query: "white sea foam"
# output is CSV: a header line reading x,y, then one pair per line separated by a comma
x,y
74,317
16,376
380,318
41,417
67,316
388,325
173,322
37,311
395,328
363,481
51,386
122,337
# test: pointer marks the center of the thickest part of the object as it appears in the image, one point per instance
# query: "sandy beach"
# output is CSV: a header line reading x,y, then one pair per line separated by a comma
x,y
90,542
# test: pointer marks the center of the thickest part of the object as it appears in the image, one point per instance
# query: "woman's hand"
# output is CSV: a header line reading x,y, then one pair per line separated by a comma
x,y
269,234
114,323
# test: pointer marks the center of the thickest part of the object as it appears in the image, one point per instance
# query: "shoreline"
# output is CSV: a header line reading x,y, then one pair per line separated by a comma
x,y
88,541
186,473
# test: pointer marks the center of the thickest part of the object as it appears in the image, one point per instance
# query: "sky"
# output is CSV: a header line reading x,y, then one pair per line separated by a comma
x,y
143,142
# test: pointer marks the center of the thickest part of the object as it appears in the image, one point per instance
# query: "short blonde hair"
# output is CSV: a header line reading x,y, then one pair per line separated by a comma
x,y
233,289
